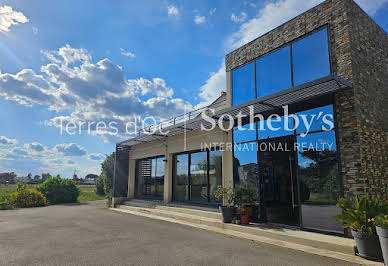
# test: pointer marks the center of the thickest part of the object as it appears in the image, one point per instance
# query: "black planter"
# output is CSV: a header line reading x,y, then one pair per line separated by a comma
x,y
383,236
227,213
368,246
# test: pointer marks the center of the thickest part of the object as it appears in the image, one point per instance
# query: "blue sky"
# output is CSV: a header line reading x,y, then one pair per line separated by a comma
x,y
108,61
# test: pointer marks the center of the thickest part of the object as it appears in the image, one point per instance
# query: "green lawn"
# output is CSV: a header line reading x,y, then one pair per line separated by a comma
x,y
87,193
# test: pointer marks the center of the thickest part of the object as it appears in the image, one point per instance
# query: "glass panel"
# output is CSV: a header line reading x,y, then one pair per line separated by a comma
x,y
215,173
181,178
245,164
311,58
198,173
321,118
157,182
243,84
273,72
319,181
245,133
276,127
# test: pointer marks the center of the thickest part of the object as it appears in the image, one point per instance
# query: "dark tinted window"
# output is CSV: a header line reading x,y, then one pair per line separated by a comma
x,y
311,58
243,84
273,72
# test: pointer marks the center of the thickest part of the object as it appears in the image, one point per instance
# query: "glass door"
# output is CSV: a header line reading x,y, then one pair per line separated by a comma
x,y
196,176
279,184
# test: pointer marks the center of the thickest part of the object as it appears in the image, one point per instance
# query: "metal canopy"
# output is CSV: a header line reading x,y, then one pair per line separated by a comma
x,y
273,103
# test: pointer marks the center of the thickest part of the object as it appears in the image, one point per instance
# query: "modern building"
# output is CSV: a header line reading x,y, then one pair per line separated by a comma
x,y
325,73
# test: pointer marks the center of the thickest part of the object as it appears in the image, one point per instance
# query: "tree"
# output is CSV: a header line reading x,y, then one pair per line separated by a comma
x,y
91,177
10,177
107,172
36,177
45,176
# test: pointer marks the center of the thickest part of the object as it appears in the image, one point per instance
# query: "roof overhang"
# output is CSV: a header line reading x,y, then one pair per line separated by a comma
x,y
317,92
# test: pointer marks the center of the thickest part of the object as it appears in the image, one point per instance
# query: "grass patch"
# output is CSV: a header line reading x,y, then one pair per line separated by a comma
x,y
88,193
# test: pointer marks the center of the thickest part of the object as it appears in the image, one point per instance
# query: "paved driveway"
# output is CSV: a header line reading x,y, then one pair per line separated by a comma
x,y
91,234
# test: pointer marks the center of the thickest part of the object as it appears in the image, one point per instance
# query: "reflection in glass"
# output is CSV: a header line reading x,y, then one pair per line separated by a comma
x,y
243,84
311,58
319,181
245,164
198,174
321,118
181,178
215,172
245,133
273,72
280,127
157,176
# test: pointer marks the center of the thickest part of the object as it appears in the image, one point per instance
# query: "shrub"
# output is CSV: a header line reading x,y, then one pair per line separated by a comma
x,y
100,186
381,221
244,194
27,198
358,214
58,190
225,193
21,186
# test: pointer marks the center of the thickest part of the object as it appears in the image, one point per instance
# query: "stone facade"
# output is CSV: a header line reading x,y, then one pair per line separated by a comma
x,y
359,54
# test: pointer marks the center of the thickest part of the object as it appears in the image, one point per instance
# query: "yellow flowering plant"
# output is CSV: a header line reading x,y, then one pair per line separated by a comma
x,y
381,221
359,213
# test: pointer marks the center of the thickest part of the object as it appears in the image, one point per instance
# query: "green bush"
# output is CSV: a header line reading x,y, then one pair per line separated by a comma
x,y
21,186
381,221
27,198
100,186
58,190
244,194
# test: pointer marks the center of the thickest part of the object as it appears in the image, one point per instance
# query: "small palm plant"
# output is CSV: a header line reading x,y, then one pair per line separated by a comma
x,y
358,214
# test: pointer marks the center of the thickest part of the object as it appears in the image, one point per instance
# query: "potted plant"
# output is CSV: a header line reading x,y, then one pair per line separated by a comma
x,y
244,214
381,222
226,195
248,197
358,215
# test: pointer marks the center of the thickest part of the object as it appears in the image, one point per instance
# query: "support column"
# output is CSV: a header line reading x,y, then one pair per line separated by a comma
x,y
227,161
131,178
168,177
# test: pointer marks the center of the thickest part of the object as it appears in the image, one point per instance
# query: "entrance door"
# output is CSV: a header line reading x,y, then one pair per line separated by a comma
x,y
149,181
276,159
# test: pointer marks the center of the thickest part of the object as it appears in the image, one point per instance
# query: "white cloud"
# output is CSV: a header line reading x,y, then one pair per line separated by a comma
x,y
127,54
371,6
34,147
212,11
70,149
199,19
238,18
213,87
86,91
96,157
6,141
9,17
172,11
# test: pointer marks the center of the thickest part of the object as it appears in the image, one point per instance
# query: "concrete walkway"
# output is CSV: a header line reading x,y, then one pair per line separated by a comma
x,y
91,234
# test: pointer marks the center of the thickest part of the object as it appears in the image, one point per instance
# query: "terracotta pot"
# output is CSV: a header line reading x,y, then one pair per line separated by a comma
x,y
244,219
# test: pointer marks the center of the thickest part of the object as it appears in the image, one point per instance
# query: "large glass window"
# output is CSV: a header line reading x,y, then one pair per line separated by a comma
x,y
311,57
273,72
276,127
197,175
243,80
319,183
149,180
